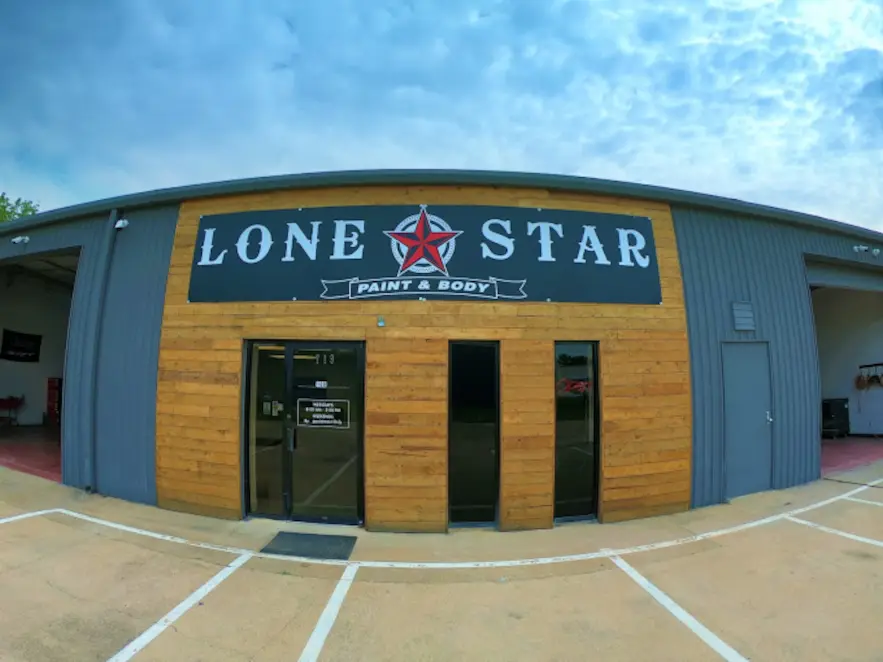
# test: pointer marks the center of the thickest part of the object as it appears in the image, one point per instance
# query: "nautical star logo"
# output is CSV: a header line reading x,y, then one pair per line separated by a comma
x,y
423,244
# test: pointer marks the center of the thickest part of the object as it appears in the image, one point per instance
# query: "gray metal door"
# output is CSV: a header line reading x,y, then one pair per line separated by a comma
x,y
748,430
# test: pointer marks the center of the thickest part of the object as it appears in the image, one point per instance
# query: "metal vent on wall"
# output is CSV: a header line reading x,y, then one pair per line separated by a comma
x,y
743,316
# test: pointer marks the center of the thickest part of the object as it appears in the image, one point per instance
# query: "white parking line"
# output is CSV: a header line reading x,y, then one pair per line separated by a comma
x,y
323,627
36,513
710,638
465,565
140,532
468,565
329,615
867,501
160,626
836,532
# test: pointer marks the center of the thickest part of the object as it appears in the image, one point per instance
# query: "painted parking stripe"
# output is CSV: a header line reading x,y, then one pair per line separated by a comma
x,y
142,532
714,642
467,565
194,598
879,504
836,532
17,518
323,627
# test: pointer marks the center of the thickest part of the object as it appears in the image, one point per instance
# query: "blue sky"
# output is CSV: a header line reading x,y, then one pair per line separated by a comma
x,y
773,101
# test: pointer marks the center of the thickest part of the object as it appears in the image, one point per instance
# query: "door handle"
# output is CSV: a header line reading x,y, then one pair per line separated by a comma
x,y
769,418
289,433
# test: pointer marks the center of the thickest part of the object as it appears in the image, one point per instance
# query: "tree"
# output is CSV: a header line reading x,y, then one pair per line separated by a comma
x,y
13,209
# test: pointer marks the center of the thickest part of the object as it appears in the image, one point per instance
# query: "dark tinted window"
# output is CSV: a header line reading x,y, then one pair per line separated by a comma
x,y
576,429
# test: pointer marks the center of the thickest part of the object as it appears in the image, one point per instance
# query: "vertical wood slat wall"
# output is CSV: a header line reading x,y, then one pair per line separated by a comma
x,y
646,432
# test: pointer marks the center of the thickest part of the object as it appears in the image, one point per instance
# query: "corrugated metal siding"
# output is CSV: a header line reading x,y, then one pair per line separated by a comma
x,y
129,355
77,393
124,398
728,259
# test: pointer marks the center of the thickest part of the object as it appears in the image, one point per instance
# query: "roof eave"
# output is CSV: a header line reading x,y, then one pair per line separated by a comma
x,y
569,183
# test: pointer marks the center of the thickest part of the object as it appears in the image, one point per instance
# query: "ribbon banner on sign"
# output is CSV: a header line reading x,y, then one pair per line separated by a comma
x,y
473,288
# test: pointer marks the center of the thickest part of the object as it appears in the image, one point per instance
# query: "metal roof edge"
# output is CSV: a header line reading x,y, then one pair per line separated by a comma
x,y
570,183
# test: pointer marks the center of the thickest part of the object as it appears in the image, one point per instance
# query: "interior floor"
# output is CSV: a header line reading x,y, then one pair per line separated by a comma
x,y
848,453
34,450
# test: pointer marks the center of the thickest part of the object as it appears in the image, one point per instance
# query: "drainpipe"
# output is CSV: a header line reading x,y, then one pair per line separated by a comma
x,y
94,348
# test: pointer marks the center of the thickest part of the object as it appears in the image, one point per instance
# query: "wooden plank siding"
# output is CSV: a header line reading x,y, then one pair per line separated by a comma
x,y
644,378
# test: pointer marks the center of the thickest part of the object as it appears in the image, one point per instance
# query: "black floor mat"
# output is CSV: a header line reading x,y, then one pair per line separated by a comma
x,y
311,545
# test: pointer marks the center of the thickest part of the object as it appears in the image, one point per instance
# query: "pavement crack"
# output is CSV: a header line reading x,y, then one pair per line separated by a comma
x,y
70,594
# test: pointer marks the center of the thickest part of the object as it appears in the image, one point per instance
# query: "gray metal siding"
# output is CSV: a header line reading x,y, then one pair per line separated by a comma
x,y
727,259
124,398
82,326
129,355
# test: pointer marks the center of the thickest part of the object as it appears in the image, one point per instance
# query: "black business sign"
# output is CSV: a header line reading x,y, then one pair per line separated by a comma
x,y
20,347
420,251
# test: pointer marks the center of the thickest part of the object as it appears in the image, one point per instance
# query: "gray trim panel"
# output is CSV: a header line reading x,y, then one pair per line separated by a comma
x,y
91,350
828,274
128,356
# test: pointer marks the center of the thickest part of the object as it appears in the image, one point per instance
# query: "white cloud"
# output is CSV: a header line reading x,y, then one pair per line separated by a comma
x,y
773,101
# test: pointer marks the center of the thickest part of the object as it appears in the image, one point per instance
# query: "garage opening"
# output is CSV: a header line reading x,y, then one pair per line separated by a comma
x,y
849,332
35,303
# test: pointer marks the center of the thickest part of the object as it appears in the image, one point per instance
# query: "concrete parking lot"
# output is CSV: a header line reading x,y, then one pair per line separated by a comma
x,y
789,575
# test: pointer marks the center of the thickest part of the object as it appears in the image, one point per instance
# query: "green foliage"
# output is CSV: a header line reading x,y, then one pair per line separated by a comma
x,y
13,209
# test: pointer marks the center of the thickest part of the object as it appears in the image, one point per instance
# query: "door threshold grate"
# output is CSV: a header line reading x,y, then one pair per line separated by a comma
x,y
311,545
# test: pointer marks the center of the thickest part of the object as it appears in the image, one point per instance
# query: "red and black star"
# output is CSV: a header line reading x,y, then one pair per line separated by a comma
x,y
423,244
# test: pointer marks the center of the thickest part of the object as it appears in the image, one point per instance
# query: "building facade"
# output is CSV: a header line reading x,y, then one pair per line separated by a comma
x,y
415,350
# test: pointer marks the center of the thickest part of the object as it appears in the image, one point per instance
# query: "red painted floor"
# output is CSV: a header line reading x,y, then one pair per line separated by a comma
x,y
32,450
37,451
848,453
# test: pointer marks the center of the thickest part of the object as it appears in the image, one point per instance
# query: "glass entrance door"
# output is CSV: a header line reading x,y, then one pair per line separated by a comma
x,y
327,385
305,430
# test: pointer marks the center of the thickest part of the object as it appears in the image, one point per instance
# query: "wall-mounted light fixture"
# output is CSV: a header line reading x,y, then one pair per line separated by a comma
x,y
875,252
21,239
121,223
